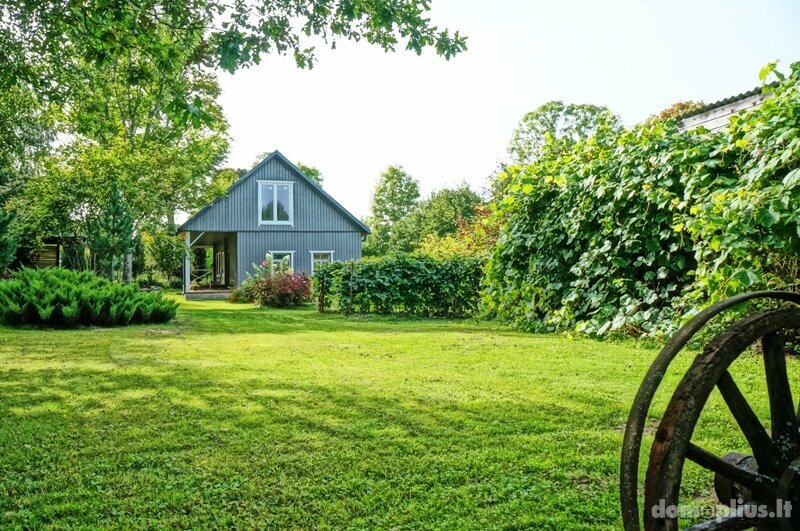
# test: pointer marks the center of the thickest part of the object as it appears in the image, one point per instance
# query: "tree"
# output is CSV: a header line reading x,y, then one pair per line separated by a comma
x,y
111,236
311,172
219,183
8,244
442,214
395,196
167,251
473,238
24,136
48,44
559,125
677,110
156,181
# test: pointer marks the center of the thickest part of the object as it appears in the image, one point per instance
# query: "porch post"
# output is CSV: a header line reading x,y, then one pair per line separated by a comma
x,y
187,264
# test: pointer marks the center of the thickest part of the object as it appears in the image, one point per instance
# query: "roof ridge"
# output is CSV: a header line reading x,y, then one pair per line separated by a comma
x,y
280,156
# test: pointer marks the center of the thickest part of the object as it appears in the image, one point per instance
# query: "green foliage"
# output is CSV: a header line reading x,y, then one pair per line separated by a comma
x,y
677,110
406,284
167,251
111,235
274,284
156,180
477,237
48,45
315,174
395,196
743,215
631,231
557,125
8,245
65,299
217,186
440,215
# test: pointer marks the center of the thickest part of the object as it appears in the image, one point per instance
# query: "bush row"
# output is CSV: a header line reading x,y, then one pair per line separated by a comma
x,y
408,284
63,298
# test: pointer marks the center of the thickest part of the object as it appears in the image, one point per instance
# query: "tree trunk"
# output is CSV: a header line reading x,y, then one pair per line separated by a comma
x,y
128,272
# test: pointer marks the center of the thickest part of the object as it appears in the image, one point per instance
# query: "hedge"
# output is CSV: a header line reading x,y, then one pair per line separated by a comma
x,y
403,284
65,299
635,231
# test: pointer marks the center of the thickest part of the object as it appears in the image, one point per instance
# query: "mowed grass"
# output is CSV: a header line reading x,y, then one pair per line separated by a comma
x,y
235,417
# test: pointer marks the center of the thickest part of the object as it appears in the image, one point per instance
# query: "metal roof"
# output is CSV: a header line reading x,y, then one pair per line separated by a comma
x,y
721,103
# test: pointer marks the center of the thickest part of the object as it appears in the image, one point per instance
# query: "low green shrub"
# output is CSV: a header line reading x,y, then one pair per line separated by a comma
x,y
65,299
407,284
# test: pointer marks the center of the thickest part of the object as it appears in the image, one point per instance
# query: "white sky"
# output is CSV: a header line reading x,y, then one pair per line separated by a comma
x,y
360,109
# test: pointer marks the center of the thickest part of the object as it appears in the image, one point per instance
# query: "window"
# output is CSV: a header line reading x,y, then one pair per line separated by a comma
x,y
320,257
275,203
282,256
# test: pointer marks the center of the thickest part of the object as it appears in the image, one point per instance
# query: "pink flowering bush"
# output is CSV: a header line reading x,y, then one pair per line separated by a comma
x,y
284,290
274,284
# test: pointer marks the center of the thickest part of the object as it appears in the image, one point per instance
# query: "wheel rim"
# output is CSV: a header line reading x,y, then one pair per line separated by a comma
x,y
640,409
773,453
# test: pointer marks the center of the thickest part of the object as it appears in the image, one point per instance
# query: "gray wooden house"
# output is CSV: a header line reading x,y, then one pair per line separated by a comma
x,y
273,209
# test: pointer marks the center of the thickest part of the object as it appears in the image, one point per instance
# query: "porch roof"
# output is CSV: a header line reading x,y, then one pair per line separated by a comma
x,y
207,238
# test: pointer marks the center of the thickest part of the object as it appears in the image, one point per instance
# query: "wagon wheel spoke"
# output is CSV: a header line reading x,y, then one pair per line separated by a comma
x,y
764,449
781,404
730,523
759,483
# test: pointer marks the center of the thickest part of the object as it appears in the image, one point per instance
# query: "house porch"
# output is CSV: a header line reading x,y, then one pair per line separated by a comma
x,y
215,279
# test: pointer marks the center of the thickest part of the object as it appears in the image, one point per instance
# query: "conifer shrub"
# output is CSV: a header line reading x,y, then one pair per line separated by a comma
x,y
62,298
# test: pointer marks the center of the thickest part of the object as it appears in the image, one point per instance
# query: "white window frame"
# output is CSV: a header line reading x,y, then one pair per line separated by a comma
x,y
290,253
275,184
312,253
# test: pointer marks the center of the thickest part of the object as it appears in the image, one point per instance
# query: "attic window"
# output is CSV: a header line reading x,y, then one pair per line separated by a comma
x,y
276,202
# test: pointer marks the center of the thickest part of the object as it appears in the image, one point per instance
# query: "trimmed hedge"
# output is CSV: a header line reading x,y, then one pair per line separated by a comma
x,y
65,299
407,284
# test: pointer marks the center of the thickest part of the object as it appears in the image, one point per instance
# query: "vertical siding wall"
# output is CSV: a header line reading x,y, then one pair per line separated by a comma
x,y
239,210
253,246
318,224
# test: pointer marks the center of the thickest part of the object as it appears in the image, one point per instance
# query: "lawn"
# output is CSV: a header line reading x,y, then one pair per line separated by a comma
x,y
235,417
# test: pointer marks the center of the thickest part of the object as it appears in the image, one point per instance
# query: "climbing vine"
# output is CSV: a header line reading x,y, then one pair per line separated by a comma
x,y
633,231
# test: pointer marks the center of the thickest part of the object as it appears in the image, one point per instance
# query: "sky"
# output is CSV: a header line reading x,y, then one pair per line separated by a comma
x,y
360,109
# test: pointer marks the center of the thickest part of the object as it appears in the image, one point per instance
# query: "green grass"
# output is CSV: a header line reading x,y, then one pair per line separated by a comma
x,y
237,417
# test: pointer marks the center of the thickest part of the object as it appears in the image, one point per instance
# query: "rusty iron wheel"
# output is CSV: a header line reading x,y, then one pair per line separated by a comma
x,y
769,472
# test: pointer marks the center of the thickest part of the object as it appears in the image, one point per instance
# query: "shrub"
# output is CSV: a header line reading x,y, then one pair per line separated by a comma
x,y
634,231
65,299
284,290
408,284
274,284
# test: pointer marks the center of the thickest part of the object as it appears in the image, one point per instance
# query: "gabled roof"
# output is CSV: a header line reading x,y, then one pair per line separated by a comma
x,y
279,156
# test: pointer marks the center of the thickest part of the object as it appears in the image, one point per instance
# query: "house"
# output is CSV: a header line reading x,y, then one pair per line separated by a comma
x,y
273,209
717,115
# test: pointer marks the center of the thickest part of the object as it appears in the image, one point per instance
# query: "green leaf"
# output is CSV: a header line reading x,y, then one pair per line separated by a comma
x,y
746,277
767,216
792,178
